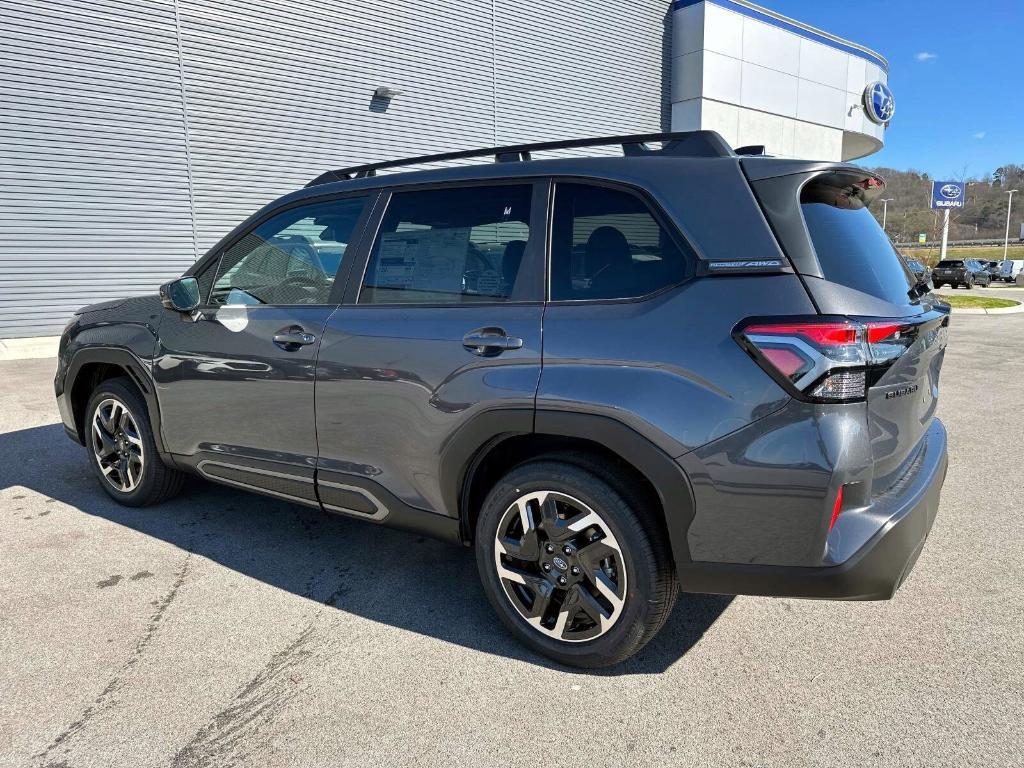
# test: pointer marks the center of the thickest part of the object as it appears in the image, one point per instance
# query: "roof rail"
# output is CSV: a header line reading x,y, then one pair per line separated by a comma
x,y
678,144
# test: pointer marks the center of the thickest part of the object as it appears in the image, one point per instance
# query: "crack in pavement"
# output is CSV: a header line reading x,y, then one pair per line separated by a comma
x,y
262,699
118,680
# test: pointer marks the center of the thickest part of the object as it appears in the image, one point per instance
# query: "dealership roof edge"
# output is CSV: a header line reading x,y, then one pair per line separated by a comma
x,y
768,16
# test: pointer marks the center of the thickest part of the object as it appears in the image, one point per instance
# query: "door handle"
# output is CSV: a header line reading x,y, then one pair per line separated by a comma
x,y
290,339
488,342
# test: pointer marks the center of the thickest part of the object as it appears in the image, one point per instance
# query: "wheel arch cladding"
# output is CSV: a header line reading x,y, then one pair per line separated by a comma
x,y
91,366
588,441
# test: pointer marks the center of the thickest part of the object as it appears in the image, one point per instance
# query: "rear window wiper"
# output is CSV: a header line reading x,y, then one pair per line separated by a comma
x,y
918,290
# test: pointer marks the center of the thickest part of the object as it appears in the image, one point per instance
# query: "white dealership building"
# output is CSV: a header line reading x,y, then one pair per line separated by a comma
x,y
136,133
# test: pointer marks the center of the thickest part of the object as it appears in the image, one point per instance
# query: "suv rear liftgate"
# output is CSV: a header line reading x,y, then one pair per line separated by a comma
x,y
874,351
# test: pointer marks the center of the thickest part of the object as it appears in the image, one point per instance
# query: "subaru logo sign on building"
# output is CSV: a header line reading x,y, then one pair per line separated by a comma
x,y
948,194
879,103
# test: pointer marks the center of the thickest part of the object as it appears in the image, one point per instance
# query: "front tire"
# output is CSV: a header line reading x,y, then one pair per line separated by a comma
x,y
122,450
572,563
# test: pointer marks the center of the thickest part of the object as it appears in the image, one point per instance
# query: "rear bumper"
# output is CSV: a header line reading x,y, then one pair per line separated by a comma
x,y
874,572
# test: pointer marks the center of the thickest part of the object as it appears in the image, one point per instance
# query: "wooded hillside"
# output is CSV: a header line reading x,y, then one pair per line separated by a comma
x,y
983,217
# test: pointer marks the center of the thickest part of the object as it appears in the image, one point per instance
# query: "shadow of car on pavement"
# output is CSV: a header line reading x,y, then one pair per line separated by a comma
x,y
384,575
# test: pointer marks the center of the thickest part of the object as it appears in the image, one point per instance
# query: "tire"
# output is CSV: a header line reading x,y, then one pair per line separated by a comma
x,y
125,459
608,621
969,285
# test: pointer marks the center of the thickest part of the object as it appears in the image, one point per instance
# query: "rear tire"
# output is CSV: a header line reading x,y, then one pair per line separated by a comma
x,y
122,450
572,563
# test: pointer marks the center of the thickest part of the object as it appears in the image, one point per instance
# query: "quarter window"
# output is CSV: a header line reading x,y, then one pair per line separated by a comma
x,y
292,258
606,244
462,245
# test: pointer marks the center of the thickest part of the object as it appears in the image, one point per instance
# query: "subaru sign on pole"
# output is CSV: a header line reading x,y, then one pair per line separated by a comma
x,y
947,195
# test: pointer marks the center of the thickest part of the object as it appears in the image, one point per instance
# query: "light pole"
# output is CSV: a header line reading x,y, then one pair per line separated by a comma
x,y
1009,206
885,209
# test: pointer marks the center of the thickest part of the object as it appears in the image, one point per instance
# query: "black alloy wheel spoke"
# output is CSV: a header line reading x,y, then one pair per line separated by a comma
x,y
106,442
590,605
542,595
593,553
526,549
555,527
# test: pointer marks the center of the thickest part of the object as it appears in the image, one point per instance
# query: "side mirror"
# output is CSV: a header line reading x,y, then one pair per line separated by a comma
x,y
181,295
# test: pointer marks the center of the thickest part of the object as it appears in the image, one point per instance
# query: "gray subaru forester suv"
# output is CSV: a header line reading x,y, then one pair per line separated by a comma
x,y
615,377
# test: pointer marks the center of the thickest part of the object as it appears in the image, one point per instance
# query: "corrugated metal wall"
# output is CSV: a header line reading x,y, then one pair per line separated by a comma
x,y
93,174
135,134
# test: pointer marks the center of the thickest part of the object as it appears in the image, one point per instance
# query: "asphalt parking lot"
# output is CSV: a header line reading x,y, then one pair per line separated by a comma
x,y
228,629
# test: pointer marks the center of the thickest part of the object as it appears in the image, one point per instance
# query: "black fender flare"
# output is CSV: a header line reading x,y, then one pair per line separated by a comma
x,y
484,434
137,372
466,448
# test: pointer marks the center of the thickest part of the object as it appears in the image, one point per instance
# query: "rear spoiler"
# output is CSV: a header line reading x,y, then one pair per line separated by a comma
x,y
758,168
851,180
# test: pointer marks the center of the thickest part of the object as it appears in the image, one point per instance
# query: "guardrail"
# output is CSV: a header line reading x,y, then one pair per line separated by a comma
x,y
959,243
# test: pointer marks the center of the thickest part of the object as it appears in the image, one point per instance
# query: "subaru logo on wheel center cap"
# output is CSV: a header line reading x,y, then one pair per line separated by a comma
x,y
879,104
560,564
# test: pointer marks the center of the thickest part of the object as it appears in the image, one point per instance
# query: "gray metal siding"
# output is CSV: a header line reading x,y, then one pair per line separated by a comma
x,y
567,70
121,118
93,176
279,92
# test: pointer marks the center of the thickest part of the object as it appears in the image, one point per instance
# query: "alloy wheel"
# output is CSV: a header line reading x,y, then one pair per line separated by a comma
x,y
560,566
117,445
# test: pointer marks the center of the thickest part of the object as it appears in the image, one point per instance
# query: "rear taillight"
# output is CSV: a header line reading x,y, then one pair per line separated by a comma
x,y
825,359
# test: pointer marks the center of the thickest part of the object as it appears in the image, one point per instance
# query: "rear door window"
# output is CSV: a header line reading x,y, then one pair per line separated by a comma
x,y
851,248
460,245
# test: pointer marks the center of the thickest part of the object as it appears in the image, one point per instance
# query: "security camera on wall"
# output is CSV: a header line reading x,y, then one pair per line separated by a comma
x,y
387,92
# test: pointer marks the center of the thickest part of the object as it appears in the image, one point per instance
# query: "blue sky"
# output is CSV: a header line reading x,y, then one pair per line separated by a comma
x,y
954,69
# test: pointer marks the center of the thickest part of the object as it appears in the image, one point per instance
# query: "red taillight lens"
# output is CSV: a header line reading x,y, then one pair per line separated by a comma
x,y
881,331
828,334
787,362
825,359
836,508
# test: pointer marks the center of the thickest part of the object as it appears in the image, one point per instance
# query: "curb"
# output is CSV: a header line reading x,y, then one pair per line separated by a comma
x,y
29,348
995,311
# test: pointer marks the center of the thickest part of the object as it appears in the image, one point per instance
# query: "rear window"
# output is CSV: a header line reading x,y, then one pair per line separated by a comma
x,y
851,248
950,264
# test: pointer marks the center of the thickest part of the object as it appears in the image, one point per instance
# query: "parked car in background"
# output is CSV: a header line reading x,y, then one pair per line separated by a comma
x,y
735,393
957,272
1009,269
992,267
922,273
